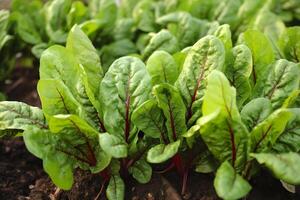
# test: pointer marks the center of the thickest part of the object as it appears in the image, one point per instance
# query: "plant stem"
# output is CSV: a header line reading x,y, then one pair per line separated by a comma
x,y
184,181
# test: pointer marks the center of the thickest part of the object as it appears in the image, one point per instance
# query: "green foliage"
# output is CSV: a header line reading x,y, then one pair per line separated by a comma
x,y
152,81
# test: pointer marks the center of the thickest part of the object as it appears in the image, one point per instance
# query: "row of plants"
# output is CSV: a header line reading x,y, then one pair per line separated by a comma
x,y
146,82
212,107
132,26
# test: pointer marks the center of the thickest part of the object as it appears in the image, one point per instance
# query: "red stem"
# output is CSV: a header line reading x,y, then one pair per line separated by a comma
x,y
233,148
184,181
91,156
172,123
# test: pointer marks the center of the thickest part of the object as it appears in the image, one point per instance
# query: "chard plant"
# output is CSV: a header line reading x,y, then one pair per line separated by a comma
x,y
214,105
85,120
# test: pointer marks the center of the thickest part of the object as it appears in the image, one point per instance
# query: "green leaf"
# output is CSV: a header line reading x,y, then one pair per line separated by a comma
x,y
220,96
162,152
143,16
27,30
149,118
289,140
76,133
125,86
77,14
56,98
170,101
238,71
55,24
256,111
42,143
264,135
221,128
38,49
59,63
186,28
116,188
141,171
85,53
284,166
113,145
162,40
29,20
206,55
20,116
289,43
271,25
291,101
282,80
162,68
229,184
262,52
224,34
109,53
4,19
205,163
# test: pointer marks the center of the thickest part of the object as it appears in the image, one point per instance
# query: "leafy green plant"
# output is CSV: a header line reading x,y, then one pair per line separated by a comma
x,y
188,91
242,140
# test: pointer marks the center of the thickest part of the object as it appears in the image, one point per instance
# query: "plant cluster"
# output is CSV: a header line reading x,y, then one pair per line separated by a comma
x,y
133,26
196,95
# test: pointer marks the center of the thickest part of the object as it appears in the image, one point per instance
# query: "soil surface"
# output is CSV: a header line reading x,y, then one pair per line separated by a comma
x,y
22,178
22,86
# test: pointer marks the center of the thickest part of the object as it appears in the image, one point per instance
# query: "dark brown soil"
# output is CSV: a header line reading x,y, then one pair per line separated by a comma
x,y
22,86
19,171
22,177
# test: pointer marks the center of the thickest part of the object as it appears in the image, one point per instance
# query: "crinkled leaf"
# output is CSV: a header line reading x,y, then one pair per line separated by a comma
x,y
56,98
205,163
56,25
149,118
284,166
42,144
225,12
256,111
206,55
290,44
238,71
221,127
77,14
282,80
83,50
125,86
162,40
264,135
262,52
78,134
171,103
162,152
289,140
109,53
187,29
113,145
59,63
224,34
141,171
229,184
19,116
143,16
162,68
220,96
116,188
